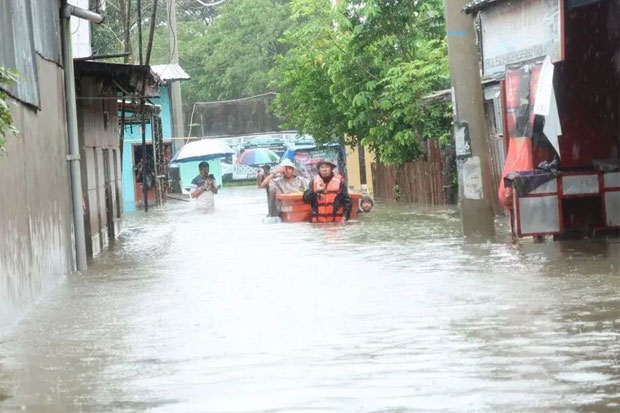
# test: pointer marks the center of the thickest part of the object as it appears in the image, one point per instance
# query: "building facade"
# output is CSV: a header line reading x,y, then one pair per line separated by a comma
x,y
36,247
551,70
99,87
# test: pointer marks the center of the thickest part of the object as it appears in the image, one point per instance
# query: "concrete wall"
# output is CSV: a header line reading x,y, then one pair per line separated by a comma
x,y
354,180
100,152
35,204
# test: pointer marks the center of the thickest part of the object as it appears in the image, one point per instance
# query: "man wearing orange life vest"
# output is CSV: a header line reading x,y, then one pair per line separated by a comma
x,y
328,195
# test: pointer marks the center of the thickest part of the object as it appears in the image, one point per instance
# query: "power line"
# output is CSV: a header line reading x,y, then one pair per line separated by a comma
x,y
215,3
237,100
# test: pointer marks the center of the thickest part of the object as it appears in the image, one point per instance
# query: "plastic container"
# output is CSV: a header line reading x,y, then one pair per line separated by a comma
x,y
355,204
294,209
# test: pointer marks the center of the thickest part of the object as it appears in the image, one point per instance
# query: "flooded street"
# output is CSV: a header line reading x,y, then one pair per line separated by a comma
x,y
394,313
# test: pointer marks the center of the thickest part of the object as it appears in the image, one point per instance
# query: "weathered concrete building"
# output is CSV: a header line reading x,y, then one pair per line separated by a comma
x,y
36,248
99,86
61,177
159,119
552,94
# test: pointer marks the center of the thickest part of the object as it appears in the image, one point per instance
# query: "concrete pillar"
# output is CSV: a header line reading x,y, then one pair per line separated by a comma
x,y
475,186
353,168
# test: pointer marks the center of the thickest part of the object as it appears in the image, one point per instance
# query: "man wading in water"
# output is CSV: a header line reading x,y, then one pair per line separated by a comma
x,y
203,188
288,183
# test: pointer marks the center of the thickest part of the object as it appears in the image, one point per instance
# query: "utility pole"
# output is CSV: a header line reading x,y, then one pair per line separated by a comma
x,y
140,32
145,165
126,10
471,134
175,85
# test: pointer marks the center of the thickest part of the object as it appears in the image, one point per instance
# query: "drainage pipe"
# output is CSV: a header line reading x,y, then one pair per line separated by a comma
x,y
72,129
81,13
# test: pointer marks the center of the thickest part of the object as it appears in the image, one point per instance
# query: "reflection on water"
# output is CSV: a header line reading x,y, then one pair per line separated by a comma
x,y
222,313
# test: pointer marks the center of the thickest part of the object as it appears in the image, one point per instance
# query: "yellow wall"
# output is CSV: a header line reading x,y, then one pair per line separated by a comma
x,y
353,170
370,159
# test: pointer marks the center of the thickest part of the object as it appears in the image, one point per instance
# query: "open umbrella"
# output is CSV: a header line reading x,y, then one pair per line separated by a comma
x,y
258,156
203,150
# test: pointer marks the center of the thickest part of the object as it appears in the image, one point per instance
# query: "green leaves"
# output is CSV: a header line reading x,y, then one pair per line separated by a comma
x,y
377,60
357,71
239,49
227,50
6,120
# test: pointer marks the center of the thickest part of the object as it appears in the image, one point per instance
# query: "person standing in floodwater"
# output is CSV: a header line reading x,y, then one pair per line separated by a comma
x,y
261,175
328,195
366,204
289,182
203,188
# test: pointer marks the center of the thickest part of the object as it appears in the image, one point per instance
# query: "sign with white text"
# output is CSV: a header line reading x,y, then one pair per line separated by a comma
x,y
519,31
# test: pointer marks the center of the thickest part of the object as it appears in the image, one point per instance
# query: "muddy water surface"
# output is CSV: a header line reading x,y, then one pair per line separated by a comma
x,y
395,313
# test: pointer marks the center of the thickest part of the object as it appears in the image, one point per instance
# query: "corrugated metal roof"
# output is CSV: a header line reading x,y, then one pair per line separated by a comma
x,y
129,77
170,71
476,5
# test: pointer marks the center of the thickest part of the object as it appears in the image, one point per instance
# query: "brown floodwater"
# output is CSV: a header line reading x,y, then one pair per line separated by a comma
x,y
394,313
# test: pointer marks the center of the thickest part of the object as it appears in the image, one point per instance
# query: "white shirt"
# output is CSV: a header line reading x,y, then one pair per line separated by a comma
x,y
205,201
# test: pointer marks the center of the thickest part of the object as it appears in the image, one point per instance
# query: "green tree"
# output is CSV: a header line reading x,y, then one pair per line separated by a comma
x,y
301,77
228,50
377,59
238,50
6,120
119,31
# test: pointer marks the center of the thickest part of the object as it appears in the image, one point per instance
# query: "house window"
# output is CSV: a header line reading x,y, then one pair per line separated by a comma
x,y
17,49
46,28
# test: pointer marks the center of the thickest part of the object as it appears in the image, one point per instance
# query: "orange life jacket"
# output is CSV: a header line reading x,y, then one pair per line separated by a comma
x,y
326,212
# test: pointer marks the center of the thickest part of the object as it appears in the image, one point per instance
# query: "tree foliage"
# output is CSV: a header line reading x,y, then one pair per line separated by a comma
x,y
119,31
228,50
358,71
6,120
234,57
302,80
361,70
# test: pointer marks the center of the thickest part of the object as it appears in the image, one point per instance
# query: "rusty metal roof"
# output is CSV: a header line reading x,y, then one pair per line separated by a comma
x,y
170,71
127,77
476,5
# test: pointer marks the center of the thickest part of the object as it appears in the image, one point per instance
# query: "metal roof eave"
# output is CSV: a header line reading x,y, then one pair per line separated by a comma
x,y
477,5
170,72
128,78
